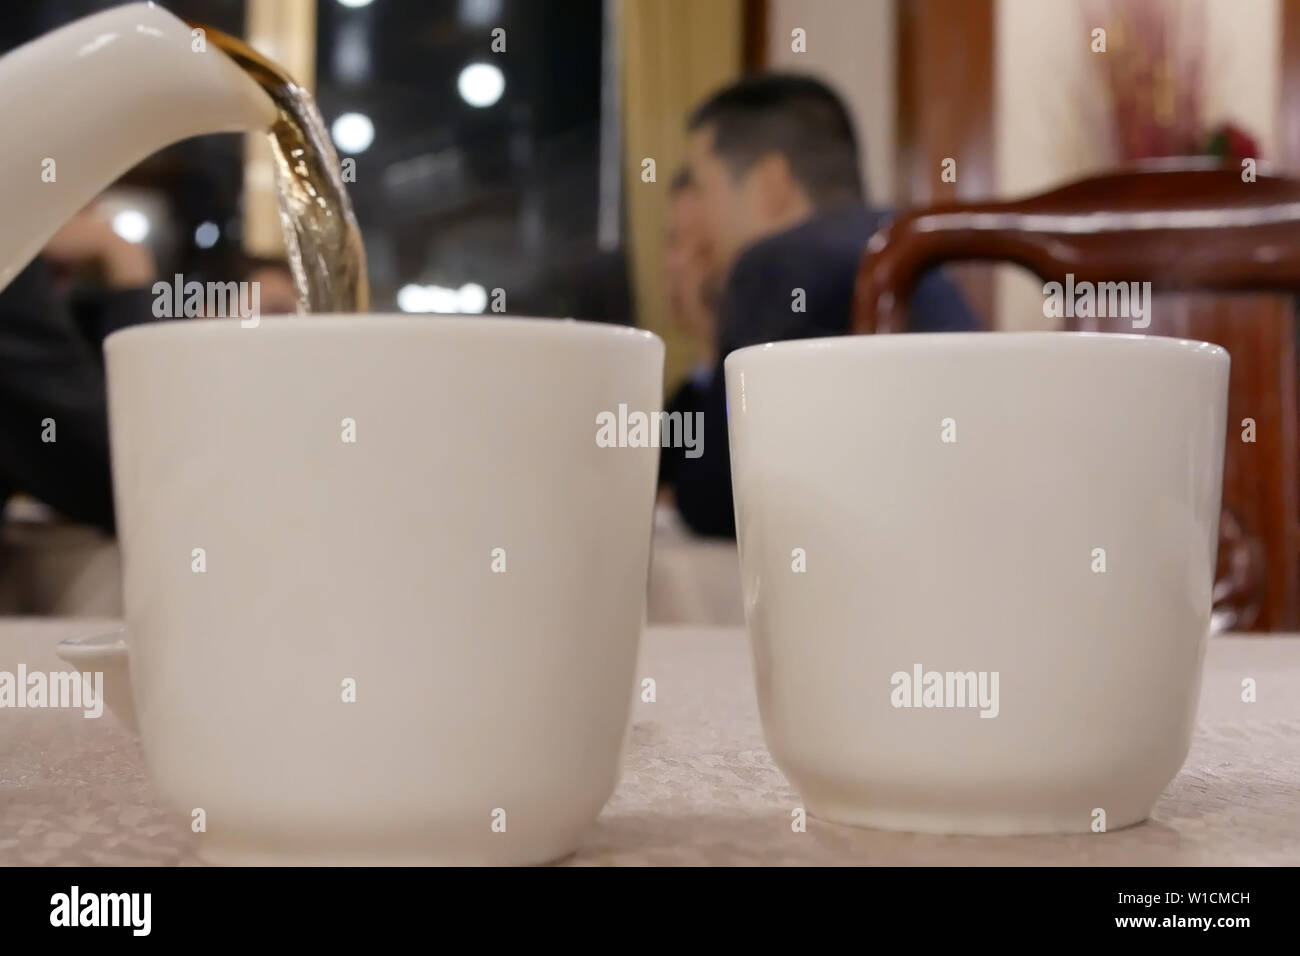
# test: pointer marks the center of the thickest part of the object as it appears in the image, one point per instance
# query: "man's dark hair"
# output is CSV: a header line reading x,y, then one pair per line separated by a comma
x,y
800,118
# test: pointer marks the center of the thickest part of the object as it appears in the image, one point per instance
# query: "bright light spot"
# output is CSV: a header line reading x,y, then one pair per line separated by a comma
x,y
354,3
443,300
469,298
481,84
410,298
131,224
206,235
353,132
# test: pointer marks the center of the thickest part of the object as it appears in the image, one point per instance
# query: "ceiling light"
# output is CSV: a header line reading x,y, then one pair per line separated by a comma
x,y
353,132
131,224
206,235
481,84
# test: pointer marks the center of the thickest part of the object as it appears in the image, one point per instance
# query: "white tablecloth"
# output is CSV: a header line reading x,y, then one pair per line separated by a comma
x,y
698,785
693,580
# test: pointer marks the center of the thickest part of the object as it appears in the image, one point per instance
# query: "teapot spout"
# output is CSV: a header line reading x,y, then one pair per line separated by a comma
x,y
92,99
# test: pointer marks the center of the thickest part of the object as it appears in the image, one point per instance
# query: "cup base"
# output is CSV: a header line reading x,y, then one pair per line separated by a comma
x,y
978,822
215,853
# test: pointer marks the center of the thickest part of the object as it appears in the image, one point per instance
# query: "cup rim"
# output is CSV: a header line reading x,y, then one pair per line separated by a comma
x,y
95,645
349,323
968,341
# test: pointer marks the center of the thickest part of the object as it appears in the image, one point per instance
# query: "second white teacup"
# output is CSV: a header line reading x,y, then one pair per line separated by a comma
x,y
978,570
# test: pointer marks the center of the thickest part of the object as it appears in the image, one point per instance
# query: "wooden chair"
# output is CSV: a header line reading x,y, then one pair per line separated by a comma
x,y
1186,228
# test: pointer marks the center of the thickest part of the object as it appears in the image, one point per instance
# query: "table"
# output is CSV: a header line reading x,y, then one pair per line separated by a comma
x,y
698,785
693,580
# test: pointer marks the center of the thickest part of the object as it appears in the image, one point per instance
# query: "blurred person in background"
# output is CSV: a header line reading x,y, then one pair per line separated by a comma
x,y
775,164
692,302
53,401
53,406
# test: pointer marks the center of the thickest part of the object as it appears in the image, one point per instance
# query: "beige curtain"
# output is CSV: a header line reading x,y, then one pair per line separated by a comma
x,y
674,52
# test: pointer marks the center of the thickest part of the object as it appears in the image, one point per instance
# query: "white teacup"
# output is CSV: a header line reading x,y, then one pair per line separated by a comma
x,y
1026,519
383,588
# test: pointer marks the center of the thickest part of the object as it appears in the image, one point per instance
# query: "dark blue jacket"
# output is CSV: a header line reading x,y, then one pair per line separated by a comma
x,y
51,367
821,257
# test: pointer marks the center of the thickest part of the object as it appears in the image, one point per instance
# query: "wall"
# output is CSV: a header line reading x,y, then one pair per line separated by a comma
x,y
850,45
1048,103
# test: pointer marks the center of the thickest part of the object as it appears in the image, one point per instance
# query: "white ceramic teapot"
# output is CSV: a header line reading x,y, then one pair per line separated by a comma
x,y
88,101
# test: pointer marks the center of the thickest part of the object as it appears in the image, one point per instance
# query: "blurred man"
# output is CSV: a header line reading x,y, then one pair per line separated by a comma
x,y
692,303
53,401
776,165
53,408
